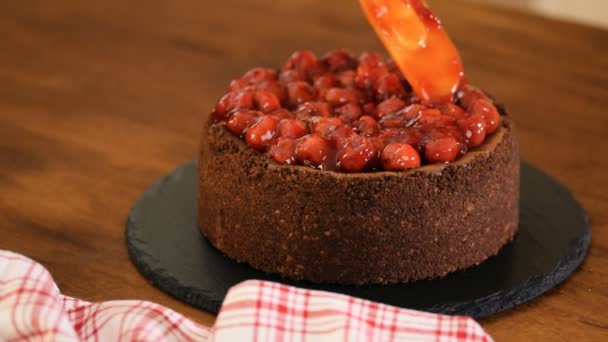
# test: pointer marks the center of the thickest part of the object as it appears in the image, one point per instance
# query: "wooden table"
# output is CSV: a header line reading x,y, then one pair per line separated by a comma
x,y
98,99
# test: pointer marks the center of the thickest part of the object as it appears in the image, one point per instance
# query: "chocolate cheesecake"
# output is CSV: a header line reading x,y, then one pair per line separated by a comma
x,y
333,170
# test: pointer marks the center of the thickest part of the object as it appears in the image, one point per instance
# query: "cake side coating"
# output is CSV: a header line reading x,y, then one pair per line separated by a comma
x,y
363,228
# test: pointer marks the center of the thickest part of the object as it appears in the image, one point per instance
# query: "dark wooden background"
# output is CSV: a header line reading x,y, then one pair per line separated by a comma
x,y
99,98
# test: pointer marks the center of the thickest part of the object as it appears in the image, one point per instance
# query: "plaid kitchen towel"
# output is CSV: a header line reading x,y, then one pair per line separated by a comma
x,y
33,309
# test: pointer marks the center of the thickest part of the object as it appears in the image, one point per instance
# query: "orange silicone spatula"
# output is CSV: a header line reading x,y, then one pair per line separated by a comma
x,y
418,44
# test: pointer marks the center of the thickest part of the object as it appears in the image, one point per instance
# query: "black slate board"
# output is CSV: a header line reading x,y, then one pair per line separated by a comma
x,y
167,247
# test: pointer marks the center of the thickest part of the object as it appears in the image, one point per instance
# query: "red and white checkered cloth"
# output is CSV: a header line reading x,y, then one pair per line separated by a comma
x,y
33,309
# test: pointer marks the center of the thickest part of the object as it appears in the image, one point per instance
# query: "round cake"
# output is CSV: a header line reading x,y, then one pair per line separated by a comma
x,y
373,218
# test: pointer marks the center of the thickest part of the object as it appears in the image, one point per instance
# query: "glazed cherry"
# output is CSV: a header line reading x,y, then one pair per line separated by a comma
x,y
366,125
349,112
399,157
257,75
370,108
488,111
312,150
474,129
340,135
346,79
283,151
358,154
324,125
240,84
447,128
378,142
282,113
274,87
339,60
451,110
300,92
220,112
324,82
240,119
292,128
304,62
411,137
393,121
266,101
368,76
431,117
309,109
371,59
390,135
469,94
261,132
389,85
340,96
391,105
290,76
230,102
441,150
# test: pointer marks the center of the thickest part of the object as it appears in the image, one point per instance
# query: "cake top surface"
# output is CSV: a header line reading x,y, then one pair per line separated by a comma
x,y
348,114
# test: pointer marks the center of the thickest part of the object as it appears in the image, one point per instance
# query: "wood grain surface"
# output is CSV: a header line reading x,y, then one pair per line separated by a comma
x,y
100,98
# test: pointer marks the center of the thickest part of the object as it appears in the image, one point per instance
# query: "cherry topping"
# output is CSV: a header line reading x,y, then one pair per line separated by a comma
x,y
236,85
368,75
389,85
488,111
346,78
339,60
261,132
451,110
399,157
371,59
312,150
274,87
230,102
389,106
266,101
290,76
340,96
432,117
300,92
378,142
369,108
469,94
304,62
358,154
351,115
474,129
221,113
340,135
349,112
366,125
283,151
324,82
257,75
411,137
282,113
394,120
310,109
324,125
292,128
239,121
442,150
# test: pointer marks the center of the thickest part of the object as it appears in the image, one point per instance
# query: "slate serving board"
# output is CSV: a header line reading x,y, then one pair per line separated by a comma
x,y
167,247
